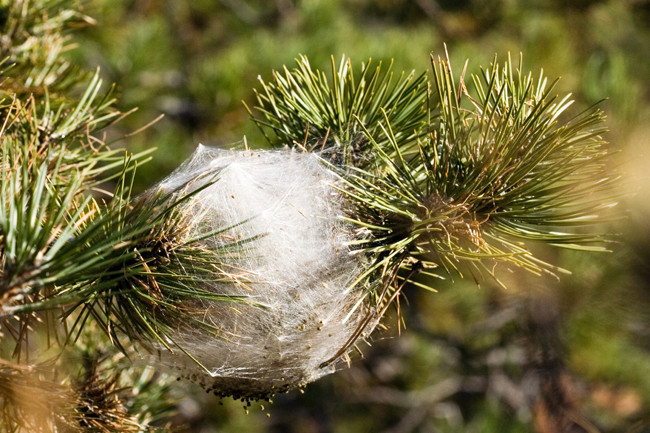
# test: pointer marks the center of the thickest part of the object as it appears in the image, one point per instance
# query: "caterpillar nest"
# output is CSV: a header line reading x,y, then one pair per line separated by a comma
x,y
297,265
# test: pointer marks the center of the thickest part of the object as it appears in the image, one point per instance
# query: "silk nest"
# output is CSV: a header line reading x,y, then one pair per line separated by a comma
x,y
294,262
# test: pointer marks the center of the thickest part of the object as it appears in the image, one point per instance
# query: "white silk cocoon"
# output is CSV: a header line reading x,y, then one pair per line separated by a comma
x,y
300,268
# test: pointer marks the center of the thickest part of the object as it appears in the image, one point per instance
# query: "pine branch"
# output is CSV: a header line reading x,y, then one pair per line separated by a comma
x,y
135,267
65,256
31,51
301,109
49,161
497,168
35,399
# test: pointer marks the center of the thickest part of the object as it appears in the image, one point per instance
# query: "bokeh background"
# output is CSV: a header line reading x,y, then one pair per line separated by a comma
x,y
468,358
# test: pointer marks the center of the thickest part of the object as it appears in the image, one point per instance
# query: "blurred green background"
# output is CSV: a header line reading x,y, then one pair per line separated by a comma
x,y
471,359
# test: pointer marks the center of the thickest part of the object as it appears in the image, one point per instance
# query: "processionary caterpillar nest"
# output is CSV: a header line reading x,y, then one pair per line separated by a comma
x,y
298,265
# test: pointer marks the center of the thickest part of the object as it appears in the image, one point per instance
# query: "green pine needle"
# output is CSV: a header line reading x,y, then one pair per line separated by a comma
x,y
32,49
301,108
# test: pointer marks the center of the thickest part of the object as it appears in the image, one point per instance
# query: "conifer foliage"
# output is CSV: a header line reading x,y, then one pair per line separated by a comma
x,y
461,176
61,235
433,176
